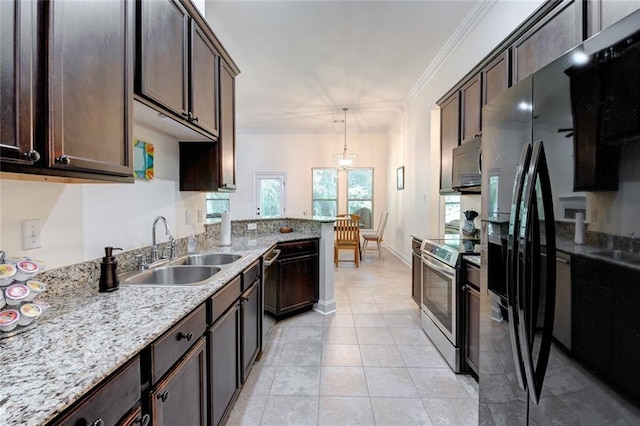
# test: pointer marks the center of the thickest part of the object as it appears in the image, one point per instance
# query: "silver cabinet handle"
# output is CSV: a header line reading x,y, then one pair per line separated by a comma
x,y
32,155
64,160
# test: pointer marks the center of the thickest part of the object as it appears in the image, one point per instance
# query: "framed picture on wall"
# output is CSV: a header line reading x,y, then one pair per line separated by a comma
x,y
400,177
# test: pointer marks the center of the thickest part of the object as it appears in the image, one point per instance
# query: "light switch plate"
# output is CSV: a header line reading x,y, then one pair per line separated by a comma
x,y
31,234
252,226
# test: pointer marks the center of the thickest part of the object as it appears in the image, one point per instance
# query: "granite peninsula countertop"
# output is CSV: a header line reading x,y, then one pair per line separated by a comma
x,y
87,335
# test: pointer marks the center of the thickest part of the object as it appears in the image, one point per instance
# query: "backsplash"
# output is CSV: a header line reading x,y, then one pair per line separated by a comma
x,y
566,230
66,278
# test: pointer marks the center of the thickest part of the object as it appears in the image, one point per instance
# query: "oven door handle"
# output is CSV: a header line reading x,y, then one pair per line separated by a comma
x,y
448,271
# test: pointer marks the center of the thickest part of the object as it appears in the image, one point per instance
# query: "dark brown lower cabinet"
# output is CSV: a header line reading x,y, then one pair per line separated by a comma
x,y
224,363
293,286
606,321
181,396
416,269
250,307
109,402
471,297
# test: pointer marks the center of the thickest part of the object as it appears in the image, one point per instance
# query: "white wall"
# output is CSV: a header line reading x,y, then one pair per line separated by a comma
x,y
78,220
414,139
297,154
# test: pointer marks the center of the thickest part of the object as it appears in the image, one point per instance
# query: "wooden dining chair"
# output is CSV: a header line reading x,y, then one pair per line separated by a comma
x,y
376,236
347,237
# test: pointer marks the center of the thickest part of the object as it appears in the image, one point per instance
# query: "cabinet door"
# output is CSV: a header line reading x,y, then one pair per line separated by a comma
x,y
472,329
593,314
109,402
602,13
298,282
181,397
251,319
163,54
626,347
449,138
495,78
90,86
416,278
558,32
204,81
227,140
471,98
17,77
224,363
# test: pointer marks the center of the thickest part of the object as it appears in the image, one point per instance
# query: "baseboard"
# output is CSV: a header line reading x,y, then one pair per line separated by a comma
x,y
325,307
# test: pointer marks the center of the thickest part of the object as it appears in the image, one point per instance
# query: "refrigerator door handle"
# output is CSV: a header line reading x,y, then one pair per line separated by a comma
x,y
513,256
531,285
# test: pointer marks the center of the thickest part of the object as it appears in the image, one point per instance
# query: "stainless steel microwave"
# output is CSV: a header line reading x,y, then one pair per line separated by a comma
x,y
466,166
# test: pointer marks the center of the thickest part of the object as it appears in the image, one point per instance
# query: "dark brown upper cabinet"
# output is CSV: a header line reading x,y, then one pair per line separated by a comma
x,y
90,86
17,74
471,109
211,166
227,143
66,110
449,138
602,13
204,78
495,77
556,33
177,65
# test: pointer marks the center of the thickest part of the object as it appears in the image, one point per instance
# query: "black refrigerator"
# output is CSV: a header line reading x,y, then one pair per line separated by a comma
x,y
527,373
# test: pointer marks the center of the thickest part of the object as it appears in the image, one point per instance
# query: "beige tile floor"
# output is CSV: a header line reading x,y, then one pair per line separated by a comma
x,y
370,363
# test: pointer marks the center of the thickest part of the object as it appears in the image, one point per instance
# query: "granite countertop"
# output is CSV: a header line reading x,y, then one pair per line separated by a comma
x,y
87,335
626,260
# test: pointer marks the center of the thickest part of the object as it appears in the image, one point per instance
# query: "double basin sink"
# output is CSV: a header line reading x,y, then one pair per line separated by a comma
x,y
189,270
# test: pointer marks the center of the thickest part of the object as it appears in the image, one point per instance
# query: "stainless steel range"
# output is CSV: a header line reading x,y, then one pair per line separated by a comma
x,y
440,301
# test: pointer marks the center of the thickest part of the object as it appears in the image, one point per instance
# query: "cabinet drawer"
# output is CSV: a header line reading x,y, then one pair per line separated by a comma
x,y
297,248
224,298
472,274
169,348
109,401
250,275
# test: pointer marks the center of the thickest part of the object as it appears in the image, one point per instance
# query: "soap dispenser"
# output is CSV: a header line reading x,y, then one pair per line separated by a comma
x,y
109,271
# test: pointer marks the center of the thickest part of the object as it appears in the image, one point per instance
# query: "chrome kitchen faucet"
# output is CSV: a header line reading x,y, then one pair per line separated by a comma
x,y
154,246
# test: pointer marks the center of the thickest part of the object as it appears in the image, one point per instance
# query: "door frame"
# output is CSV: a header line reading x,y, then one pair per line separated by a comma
x,y
257,176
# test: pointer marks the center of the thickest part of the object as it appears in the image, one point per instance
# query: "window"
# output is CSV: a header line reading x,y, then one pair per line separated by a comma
x,y
451,214
325,192
217,203
360,194
270,194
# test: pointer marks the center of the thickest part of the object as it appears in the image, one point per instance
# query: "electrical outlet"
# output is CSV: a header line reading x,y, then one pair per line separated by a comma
x,y
31,234
607,216
187,217
252,226
594,215
199,216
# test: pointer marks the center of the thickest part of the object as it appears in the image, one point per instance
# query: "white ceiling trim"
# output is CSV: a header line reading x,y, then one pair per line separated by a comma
x,y
462,32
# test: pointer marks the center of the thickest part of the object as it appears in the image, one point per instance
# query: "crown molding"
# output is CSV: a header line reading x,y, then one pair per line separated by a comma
x,y
468,24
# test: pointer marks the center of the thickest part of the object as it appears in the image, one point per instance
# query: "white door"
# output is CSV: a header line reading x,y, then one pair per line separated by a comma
x,y
270,194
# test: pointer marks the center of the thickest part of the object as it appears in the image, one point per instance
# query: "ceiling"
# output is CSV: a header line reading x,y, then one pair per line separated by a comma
x,y
303,61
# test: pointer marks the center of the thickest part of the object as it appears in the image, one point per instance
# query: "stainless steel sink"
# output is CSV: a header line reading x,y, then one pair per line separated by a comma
x,y
618,255
207,259
174,276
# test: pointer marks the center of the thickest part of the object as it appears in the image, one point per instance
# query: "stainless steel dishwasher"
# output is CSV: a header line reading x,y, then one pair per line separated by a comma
x,y
267,321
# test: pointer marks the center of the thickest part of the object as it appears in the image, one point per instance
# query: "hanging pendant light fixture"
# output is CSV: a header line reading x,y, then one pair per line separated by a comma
x,y
345,160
